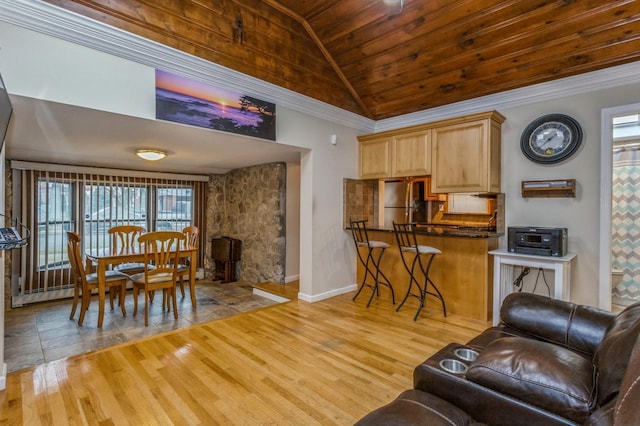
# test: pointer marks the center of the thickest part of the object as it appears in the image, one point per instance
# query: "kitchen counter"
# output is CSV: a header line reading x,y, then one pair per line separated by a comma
x,y
463,272
450,231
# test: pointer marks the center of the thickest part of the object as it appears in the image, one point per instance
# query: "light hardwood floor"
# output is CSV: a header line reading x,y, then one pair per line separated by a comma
x,y
295,363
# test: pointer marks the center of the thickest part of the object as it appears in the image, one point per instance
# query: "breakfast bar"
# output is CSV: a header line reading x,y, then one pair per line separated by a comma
x,y
463,272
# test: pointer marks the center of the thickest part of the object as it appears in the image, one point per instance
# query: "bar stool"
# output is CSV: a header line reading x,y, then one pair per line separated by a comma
x,y
370,262
408,243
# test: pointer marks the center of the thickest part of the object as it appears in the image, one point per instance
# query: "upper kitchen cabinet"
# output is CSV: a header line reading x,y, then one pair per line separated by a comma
x,y
411,154
374,158
466,154
398,153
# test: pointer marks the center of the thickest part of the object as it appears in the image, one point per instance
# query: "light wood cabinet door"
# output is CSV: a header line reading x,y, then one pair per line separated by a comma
x,y
375,158
411,154
466,157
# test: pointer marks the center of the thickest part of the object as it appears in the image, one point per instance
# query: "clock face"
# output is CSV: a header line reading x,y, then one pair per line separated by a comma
x,y
551,138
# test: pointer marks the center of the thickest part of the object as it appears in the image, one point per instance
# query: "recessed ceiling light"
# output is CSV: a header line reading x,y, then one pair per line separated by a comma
x,y
151,154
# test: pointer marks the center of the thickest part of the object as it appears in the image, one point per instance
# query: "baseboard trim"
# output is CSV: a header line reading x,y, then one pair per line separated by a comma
x,y
3,377
291,278
270,296
326,295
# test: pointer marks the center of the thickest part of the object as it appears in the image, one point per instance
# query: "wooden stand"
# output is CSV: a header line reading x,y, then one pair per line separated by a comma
x,y
226,252
225,271
503,262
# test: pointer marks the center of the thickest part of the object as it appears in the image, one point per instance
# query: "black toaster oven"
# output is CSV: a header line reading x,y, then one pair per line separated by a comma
x,y
538,241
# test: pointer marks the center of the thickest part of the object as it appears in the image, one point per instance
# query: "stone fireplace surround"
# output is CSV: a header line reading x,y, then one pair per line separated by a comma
x,y
250,204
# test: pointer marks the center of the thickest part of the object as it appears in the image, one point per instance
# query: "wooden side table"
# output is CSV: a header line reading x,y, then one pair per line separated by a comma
x,y
503,263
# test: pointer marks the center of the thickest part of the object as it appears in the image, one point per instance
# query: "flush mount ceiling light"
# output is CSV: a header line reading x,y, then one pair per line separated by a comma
x,y
151,154
395,6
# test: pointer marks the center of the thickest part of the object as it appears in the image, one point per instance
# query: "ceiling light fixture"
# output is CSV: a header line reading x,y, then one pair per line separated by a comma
x,y
395,6
151,154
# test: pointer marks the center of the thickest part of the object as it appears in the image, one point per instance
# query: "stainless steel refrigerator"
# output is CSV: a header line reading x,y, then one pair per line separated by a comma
x,y
397,198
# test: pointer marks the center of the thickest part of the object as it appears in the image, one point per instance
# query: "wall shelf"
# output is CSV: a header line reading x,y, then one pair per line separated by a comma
x,y
560,188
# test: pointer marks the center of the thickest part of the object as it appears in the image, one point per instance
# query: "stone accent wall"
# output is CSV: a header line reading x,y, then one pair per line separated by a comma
x,y
360,201
249,204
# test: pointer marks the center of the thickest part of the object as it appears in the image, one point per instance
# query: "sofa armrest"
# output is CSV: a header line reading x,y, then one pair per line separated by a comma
x,y
577,327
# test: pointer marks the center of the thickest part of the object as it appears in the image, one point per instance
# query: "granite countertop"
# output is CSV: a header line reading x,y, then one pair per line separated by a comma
x,y
449,231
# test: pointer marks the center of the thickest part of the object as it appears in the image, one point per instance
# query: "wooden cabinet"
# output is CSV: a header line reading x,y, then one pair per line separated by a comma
x,y
395,154
461,154
466,154
411,154
375,158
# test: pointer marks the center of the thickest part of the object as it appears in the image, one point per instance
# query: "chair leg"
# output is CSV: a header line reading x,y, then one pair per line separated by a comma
x,y
175,304
412,280
376,277
146,307
76,294
424,291
123,291
439,296
86,298
136,292
182,285
112,295
372,267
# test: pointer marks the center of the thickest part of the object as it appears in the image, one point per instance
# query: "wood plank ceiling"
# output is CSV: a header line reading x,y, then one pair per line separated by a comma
x,y
356,55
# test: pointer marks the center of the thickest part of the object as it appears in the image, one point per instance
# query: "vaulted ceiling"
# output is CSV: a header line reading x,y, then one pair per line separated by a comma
x,y
360,56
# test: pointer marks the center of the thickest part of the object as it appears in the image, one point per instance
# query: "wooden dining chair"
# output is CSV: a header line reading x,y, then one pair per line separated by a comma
x,y
124,237
161,251
184,268
84,283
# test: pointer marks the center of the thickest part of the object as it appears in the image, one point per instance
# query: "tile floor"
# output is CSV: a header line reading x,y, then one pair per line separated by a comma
x,y
43,332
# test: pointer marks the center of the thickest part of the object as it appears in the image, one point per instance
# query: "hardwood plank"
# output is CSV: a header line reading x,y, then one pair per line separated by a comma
x,y
329,362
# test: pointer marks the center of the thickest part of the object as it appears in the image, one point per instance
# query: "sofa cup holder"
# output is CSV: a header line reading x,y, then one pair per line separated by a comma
x,y
453,366
466,354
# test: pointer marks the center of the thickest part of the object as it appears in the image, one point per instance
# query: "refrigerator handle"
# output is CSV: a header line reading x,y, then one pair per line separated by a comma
x,y
408,197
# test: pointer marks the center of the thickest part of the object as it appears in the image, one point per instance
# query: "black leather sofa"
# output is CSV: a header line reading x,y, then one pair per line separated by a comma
x,y
548,362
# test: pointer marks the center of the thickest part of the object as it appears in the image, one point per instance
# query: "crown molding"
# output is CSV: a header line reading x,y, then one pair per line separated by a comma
x,y
54,21
60,23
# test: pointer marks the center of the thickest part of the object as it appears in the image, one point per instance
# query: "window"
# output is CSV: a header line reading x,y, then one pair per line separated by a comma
x,y
52,203
174,209
105,206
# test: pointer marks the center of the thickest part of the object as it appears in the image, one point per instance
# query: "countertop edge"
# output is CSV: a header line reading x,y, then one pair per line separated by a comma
x,y
443,232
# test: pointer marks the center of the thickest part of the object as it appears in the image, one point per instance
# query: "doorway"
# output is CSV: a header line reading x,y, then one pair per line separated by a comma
x,y
620,158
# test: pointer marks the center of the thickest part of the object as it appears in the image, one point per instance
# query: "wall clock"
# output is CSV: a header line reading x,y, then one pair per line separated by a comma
x,y
551,138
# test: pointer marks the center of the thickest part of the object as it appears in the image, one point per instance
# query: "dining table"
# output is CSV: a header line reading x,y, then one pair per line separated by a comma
x,y
110,257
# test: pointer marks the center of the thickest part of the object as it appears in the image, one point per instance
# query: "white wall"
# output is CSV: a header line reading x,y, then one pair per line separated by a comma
x,y
44,67
325,247
581,215
292,260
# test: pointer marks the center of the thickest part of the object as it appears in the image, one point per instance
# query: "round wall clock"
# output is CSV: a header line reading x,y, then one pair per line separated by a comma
x,y
551,138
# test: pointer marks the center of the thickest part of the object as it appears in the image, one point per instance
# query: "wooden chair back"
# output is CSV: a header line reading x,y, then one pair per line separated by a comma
x,y
125,236
161,250
78,272
191,234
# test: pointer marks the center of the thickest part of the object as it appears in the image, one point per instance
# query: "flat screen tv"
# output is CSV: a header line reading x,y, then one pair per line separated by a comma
x,y
5,112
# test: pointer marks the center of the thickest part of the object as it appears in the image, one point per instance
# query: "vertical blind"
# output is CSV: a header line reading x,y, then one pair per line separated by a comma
x,y
51,202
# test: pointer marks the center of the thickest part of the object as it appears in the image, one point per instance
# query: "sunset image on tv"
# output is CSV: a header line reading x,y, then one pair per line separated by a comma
x,y
186,101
